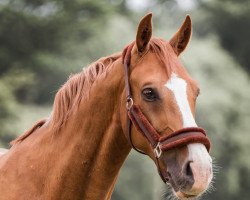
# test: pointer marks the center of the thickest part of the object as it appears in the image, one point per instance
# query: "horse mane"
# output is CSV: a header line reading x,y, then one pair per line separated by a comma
x,y
78,86
28,132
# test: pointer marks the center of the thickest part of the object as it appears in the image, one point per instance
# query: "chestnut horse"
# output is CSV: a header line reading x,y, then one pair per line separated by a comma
x,y
78,151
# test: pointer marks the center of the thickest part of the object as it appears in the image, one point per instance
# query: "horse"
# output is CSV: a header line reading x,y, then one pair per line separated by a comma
x,y
141,98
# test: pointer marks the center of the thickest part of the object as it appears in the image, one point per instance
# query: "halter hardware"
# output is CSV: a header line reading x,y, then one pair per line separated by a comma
x,y
129,103
157,142
157,150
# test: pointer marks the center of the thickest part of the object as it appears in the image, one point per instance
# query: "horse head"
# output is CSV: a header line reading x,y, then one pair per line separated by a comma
x,y
165,98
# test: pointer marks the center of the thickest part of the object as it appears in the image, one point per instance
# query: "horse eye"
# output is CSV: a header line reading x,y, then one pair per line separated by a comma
x,y
149,94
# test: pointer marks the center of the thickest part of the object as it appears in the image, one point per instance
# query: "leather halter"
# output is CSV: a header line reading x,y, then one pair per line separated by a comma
x,y
158,143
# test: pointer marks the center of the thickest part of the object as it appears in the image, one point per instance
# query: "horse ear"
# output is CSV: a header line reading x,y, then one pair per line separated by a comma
x,y
144,32
180,40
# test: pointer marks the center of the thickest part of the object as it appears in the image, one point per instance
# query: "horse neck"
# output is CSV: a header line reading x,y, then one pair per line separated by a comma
x,y
95,143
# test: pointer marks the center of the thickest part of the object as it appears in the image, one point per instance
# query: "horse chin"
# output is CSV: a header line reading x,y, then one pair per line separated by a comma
x,y
181,195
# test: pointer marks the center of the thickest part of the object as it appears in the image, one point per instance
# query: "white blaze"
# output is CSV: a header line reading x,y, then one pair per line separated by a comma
x,y
197,152
201,165
179,88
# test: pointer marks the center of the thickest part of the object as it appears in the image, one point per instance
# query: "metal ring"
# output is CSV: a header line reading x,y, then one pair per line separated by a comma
x,y
129,103
157,150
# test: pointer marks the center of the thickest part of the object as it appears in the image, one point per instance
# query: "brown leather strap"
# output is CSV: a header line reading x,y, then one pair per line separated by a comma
x,y
126,55
129,123
174,140
185,136
143,125
183,139
158,143
163,174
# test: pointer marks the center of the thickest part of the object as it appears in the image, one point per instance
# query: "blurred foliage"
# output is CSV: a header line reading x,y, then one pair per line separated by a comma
x,y
43,41
34,34
230,20
223,109
39,47
138,179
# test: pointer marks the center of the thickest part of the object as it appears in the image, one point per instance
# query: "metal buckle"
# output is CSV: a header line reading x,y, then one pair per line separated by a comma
x,y
129,103
157,150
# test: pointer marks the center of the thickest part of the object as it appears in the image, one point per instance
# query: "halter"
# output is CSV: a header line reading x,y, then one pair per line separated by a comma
x,y
158,143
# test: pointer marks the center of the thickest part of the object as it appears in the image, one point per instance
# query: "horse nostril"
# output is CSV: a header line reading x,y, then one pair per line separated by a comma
x,y
188,170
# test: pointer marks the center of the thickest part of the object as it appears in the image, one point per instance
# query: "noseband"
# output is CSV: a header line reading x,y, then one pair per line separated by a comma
x,y
158,143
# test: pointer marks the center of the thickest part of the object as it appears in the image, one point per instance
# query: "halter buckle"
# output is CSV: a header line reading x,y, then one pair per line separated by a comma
x,y
157,150
129,103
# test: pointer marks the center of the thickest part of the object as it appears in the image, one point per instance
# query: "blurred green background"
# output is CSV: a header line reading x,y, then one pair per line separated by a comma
x,y
43,41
